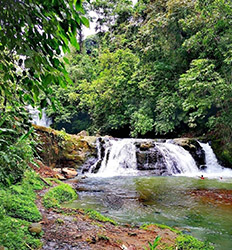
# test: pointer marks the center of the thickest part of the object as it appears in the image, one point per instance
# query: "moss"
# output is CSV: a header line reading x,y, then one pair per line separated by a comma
x,y
187,242
15,235
17,211
59,194
19,200
223,152
161,226
99,217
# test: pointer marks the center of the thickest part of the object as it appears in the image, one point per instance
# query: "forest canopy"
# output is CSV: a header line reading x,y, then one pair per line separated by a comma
x,y
160,67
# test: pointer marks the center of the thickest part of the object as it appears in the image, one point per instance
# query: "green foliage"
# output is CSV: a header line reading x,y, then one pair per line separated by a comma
x,y
59,194
97,216
187,242
15,235
153,245
32,35
203,89
16,145
17,211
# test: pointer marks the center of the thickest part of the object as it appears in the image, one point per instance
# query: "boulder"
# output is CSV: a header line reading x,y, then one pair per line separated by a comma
x,y
69,173
35,228
59,149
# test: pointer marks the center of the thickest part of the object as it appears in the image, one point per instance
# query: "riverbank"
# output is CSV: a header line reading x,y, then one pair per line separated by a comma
x,y
61,228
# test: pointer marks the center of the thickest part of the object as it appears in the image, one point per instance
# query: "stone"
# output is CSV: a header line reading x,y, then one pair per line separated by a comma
x,y
146,146
194,148
35,228
83,133
69,173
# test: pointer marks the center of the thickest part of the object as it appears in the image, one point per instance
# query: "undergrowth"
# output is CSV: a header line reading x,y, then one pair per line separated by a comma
x,y
59,194
187,242
17,211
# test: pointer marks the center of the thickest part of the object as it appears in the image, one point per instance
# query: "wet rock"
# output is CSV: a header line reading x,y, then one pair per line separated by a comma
x,y
35,228
69,173
194,148
146,145
60,149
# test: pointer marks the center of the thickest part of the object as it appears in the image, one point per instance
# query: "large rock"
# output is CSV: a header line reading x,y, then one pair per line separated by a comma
x,y
59,149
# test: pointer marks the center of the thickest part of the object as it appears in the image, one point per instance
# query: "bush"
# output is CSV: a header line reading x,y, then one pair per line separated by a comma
x,y
59,194
187,242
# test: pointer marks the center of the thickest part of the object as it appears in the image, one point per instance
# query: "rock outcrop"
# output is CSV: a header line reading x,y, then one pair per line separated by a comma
x,y
61,150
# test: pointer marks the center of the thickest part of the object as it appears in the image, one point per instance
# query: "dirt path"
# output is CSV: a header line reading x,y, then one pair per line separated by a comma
x,y
69,229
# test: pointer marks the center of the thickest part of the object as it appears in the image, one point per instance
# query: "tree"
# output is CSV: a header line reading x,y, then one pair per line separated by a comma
x,y
33,35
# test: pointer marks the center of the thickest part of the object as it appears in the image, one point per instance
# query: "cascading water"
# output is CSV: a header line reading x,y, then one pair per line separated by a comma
x,y
119,159
34,113
213,168
177,159
123,156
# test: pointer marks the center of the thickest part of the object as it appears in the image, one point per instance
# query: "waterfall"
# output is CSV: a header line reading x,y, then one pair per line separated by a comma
x,y
177,159
213,168
122,157
34,113
119,158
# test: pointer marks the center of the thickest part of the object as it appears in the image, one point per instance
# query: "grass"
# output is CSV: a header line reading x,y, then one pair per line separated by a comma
x,y
99,217
161,226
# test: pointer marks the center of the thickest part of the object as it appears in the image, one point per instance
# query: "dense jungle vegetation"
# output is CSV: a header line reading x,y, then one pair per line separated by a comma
x,y
156,68
159,68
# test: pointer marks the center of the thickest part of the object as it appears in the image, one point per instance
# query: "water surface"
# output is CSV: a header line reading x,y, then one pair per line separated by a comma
x,y
202,208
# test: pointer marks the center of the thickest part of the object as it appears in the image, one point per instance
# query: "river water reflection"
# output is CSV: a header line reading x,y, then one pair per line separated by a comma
x,y
202,208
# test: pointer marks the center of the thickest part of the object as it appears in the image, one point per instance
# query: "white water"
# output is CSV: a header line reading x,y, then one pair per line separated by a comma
x,y
214,169
34,113
120,160
177,157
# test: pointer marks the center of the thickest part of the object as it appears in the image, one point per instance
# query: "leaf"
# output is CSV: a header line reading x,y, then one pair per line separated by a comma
x,y
66,60
85,21
25,136
75,43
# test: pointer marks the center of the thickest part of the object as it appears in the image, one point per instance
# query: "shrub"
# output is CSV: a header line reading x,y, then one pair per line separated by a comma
x,y
59,194
187,242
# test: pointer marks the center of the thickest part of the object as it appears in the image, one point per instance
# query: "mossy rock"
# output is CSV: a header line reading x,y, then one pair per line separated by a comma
x,y
223,152
60,148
